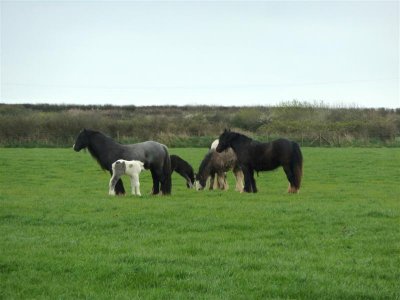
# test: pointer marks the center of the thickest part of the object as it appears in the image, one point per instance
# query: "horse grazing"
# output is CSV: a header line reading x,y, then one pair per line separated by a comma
x,y
220,182
215,163
256,156
183,168
106,151
132,168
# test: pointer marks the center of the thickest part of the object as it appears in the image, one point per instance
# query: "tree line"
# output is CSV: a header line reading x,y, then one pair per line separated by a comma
x,y
310,124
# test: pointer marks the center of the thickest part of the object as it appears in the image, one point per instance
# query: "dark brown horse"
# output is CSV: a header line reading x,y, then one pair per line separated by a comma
x,y
215,163
256,156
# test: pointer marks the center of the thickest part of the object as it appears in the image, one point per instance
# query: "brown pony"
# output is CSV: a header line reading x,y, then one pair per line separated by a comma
x,y
215,163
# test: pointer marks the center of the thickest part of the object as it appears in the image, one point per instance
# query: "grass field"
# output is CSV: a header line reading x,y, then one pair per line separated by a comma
x,y
62,236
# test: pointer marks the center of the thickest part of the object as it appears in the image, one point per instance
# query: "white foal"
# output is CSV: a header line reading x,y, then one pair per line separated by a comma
x,y
132,168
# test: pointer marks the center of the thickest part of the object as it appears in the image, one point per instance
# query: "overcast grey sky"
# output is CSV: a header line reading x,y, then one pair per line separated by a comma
x,y
222,53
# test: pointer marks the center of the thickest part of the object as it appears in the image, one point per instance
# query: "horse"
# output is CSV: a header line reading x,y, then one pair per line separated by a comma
x,y
256,156
106,151
215,163
183,168
220,181
132,168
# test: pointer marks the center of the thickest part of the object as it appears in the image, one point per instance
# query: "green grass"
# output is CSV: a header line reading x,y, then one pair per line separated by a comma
x,y
62,236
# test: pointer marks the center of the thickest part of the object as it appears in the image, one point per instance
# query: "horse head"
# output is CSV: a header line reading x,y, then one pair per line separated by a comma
x,y
200,182
224,141
82,141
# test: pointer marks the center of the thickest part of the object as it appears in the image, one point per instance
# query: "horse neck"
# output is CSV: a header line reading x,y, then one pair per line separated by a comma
x,y
205,166
98,145
239,142
228,157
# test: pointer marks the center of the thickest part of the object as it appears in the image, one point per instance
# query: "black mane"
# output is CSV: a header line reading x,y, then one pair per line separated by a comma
x,y
91,134
238,136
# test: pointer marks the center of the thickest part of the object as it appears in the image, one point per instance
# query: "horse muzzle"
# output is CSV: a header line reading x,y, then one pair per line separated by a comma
x,y
218,149
198,186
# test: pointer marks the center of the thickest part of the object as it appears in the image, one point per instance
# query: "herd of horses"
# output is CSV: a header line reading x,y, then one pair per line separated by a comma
x,y
232,151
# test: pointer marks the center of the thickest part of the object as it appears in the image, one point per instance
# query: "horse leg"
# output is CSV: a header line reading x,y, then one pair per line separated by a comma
x,y
111,185
216,185
253,182
132,185
135,185
290,177
239,180
221,181
118,186
212,179
160,180
247,180
226,185
165,182
156,182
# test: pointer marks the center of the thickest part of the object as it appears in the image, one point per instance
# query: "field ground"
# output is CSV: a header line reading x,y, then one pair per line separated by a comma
x,y
62,236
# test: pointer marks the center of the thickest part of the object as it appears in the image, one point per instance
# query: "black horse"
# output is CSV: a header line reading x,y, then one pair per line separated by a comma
x,y
256,156
183,168
106,151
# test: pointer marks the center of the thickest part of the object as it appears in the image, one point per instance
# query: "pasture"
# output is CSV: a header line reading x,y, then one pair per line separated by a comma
x,y
62,236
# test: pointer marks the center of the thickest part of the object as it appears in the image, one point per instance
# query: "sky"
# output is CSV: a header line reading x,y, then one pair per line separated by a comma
x,y
237,53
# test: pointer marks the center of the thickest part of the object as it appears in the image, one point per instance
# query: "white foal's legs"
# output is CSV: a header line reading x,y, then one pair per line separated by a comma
x,y
135,185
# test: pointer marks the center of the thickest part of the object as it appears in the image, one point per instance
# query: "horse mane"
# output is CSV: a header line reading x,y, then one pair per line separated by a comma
x,y
93,152
205,162
238,136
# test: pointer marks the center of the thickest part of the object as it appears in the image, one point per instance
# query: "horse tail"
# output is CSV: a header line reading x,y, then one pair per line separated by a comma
x,y
166,186
297,165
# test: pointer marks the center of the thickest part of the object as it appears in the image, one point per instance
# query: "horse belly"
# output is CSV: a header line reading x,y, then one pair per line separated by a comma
x,y
266,165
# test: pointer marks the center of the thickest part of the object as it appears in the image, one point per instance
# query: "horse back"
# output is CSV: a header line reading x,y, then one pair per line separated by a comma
x,y
269,156
150,153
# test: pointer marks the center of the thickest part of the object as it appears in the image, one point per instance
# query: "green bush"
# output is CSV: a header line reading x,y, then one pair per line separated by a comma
x,y
197,126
